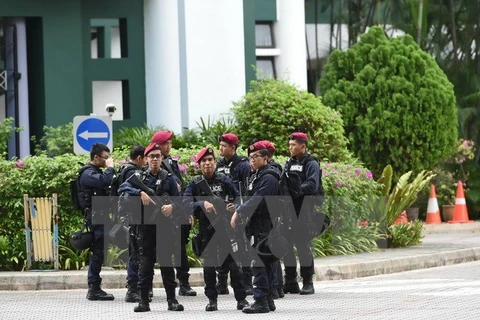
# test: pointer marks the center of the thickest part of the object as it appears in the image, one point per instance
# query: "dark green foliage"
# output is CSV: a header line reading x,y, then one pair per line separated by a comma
x,y
211,130
273,109
128,137
397,105
56,140
407,234
6,131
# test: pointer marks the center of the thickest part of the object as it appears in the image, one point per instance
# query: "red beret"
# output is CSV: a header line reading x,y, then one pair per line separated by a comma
x,y
298,136
259,145
162,136
229,138
267,145
152,146
204,152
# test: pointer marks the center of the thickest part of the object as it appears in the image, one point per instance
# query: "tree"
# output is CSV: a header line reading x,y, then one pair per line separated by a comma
x,y
397,105
273,109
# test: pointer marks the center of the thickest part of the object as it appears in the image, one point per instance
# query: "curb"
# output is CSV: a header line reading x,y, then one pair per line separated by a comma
x,y
395,265
67,280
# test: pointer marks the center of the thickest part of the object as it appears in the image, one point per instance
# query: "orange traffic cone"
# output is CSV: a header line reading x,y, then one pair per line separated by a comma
x,y
433,212
460,214
402,218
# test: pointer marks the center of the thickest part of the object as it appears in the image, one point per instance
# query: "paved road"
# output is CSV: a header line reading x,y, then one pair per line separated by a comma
x,y
450,292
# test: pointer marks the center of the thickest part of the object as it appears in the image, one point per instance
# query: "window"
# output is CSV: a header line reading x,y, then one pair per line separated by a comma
x,y
265,50
264,35
265,68
108,38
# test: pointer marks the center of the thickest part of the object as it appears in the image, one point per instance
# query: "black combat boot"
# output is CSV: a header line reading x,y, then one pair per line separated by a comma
x,y
150,293
271,303
259,306
132,294
185,289
274,293
212,305
281,294
173,305
291,286
307,286
96,293
222,285
143,305
242,304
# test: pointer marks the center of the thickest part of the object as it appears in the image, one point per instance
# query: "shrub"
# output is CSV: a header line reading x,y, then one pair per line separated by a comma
x,y
40,176
6,130
56,140
397,105
273,109
128,137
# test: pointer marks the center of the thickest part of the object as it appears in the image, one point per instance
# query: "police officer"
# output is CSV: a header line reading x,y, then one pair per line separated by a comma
x,y
214,221
238,169
95,183
277,291
164,139
127,209
147,236
264,182
307,168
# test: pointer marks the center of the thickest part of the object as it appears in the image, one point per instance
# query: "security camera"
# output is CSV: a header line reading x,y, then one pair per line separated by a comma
x,y
110,109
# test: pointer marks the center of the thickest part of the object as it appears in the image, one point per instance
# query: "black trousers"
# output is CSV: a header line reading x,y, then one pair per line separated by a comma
x,y
300,238
211,261
149,247
181,257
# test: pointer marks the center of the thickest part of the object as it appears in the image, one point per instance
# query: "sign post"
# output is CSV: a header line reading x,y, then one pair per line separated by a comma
x,y
88,130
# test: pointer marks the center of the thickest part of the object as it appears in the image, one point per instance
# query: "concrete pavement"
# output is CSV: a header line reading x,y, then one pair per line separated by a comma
x,y
442,245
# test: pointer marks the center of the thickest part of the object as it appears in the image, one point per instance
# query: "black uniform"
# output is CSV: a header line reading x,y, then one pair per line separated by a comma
x,y
238,169
160,231
265,182
94,182
277,265
223,187
181,261
127,209
308,169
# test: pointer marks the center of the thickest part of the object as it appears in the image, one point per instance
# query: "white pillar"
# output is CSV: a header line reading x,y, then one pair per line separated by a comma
x,y
23,114
290,39
162,70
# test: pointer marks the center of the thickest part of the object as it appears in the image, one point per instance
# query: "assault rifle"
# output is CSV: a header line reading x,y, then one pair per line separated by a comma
x,y
160,201
222,215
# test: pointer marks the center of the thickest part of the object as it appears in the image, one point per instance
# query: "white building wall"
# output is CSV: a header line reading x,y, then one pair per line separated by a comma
x,y
162,65
215,57
290,38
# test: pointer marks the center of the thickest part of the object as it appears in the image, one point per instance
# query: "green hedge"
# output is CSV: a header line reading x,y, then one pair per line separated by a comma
x,y
40,176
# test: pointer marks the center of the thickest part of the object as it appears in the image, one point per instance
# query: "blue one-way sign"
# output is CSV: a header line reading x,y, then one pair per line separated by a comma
x,y
88,130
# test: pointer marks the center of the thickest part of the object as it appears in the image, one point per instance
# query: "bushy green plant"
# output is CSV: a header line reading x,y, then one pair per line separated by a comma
x,y
128,137
406,234
348,188
211,130
397,104
383,211
55,140
6,131
347,241
273,109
